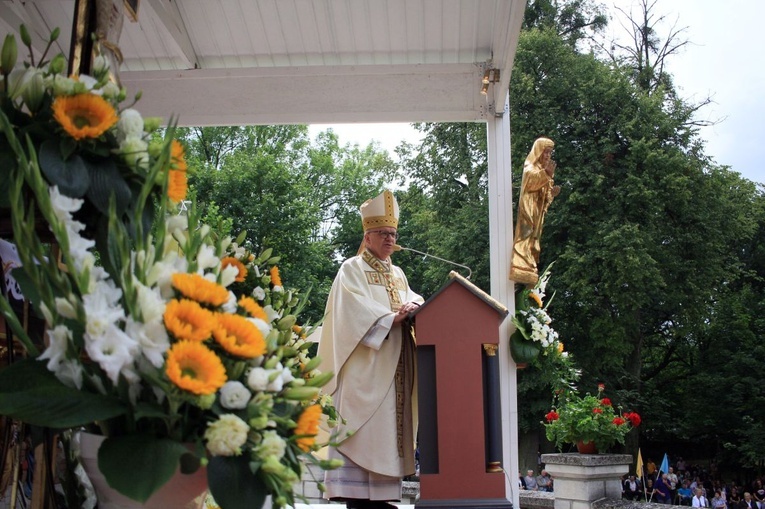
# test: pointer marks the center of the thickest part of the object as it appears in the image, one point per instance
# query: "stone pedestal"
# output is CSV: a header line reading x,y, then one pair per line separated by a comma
x,y
582,479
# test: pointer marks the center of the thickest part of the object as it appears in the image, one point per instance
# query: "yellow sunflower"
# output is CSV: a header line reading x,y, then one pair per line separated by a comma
x,y
196,287
195,368
308,427
253,308
230,260
177,180
84,115
238,336
187,320
536,298
276,279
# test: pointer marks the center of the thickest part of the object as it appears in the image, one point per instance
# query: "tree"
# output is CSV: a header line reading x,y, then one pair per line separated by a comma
x,y
636,229
299,199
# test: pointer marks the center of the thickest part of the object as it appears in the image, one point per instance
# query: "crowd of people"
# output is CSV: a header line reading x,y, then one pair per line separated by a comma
x,y
694,486
531,482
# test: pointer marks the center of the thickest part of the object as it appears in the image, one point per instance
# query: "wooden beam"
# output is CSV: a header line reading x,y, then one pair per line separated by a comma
x,y
170,17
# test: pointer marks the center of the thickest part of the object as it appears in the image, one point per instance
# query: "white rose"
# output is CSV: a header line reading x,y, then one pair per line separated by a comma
x,y
234,395
226,436
272,445
129,124
257,379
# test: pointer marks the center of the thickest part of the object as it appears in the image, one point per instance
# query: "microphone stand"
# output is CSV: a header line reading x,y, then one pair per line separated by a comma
x,y
402,248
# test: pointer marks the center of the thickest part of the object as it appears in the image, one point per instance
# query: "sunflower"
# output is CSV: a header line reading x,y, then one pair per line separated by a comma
x,y
276,279
253,308
196,287
84,115
230,260
177,157
187,320
308,427
177,185
177,180
536,298
195,368
238,336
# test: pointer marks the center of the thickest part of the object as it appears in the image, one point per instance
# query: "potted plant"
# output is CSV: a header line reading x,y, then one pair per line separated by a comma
x,y
589,421
179,347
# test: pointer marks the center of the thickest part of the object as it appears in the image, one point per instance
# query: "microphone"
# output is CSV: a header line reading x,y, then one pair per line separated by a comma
x,y
398,247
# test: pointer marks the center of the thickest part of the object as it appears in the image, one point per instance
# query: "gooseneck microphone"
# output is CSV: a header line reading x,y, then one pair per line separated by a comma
x,y
398,247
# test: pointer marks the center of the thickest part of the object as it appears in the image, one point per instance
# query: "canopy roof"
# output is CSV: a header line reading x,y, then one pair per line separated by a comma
x,y
227,62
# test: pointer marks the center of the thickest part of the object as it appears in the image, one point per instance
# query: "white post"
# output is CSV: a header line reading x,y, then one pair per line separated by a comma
x,y
501,227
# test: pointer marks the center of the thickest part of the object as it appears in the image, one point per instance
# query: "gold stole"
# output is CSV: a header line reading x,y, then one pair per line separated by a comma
x,y
382,275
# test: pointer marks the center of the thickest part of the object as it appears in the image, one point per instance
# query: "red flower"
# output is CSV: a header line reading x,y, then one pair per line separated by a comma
x,y
551,416
597,410
605,402
634,418
618,421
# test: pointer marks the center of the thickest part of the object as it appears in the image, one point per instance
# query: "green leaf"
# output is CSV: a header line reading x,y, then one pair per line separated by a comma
x,y
105,181
70,175
233,485
139,465
523,350
31,393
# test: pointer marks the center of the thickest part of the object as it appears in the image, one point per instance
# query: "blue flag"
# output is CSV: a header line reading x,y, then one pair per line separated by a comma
x,y
664,468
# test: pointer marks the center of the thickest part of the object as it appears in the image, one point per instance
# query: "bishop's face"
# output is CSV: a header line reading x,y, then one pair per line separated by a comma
x,y
381,242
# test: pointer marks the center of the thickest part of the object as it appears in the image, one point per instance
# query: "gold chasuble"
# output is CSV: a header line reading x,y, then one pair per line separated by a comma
x,y
375,385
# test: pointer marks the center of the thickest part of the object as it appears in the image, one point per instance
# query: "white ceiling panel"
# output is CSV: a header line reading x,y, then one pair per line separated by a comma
x,y
283,61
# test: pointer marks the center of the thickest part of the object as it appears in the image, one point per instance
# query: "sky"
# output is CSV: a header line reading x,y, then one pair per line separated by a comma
x,y
723,61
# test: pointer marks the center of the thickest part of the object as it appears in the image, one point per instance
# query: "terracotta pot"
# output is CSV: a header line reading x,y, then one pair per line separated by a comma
x,y
181,492
586,447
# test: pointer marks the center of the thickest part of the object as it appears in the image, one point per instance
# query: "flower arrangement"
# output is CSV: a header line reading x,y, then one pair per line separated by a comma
x,y
533,334
589,418
182,348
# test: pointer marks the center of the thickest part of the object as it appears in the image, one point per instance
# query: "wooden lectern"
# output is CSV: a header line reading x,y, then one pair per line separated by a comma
x,y
460,439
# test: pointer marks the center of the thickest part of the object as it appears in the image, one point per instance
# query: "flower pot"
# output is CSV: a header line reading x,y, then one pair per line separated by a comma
x,y
586,447
181,492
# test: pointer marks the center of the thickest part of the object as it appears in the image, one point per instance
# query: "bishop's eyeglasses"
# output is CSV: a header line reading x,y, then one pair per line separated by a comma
x,y
393,235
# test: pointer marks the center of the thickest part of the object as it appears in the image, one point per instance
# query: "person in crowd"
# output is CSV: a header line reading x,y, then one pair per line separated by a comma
x,y
531,481
648,488
661,492
521,481
680,465
373,357
650,468
734,499
748,502
544,481
631,489
758,493
699,500
673,483
684,493
718,501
